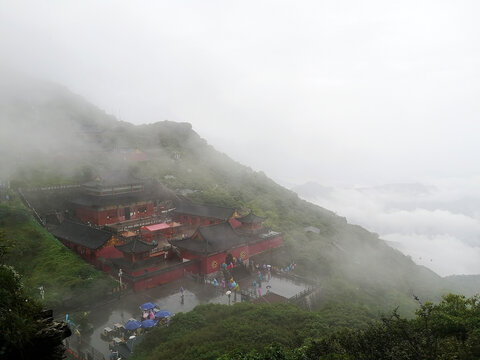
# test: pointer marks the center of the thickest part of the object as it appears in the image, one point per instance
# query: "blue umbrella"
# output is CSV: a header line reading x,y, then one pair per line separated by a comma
x,y
132,325
147,306
148,323
162,314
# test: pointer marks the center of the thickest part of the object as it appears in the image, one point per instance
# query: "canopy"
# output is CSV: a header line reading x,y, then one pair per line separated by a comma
x,y
156,227
132,325
162,314
147,306
148,324
162,226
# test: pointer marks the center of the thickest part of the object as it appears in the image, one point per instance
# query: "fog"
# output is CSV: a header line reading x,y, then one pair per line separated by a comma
x,y
437,224
344,93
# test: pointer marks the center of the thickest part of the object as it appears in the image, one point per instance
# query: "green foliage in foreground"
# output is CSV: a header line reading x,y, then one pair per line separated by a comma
x,y
448,330
212,330
17,327
23,332
209,331
43,261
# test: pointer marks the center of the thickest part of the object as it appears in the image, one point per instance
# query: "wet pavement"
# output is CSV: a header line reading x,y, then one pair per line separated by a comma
x,y
167,297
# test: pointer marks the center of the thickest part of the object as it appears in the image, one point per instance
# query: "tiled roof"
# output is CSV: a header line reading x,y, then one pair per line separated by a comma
x,y
114,178
81,234
251,218
212,239
205,210
121,199
135,246
152,191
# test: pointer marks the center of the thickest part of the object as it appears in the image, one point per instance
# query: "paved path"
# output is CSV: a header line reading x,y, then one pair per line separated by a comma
x,y
167,297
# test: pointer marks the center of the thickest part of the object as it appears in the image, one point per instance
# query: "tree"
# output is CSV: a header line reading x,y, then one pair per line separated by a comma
x,y
26,331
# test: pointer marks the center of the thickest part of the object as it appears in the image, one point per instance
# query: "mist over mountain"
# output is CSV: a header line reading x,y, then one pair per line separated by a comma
x,y
436,223
43,121
350,127
79,140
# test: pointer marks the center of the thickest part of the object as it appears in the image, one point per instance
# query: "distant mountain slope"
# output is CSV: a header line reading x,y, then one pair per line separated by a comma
x,y
465,284
351,264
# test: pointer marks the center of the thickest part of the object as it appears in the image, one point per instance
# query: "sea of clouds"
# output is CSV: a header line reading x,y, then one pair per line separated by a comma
x,y
436,222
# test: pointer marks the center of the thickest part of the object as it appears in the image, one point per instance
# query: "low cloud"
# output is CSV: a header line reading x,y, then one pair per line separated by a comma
x,y
444,254
437,224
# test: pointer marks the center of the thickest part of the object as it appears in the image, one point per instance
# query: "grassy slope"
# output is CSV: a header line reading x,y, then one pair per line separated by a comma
x,y
42,260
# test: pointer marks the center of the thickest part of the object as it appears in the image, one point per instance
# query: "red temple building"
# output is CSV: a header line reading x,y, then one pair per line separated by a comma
x,y
141,271
219,243
113,199
250,222
160,233
135,250
211,244
91,244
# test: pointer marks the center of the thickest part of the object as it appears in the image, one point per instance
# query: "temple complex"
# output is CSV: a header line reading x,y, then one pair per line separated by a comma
x,y
144,236
220,244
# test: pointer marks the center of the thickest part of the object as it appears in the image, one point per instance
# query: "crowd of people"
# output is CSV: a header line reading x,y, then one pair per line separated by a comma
x,y
263,274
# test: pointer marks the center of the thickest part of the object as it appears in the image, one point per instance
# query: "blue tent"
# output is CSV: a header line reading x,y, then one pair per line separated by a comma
x,y
162,314
147,306
148,324
132,325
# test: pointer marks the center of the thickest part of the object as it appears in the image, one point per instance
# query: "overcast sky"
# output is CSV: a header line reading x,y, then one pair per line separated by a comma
x,y
341,92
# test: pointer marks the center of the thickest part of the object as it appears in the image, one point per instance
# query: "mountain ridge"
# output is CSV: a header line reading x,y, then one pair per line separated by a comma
x,y
351,264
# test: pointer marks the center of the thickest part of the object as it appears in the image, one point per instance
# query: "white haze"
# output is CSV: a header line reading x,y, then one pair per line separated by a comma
x,y
339,92
437,224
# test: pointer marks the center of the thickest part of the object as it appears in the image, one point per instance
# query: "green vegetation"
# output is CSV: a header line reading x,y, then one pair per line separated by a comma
x,y
210,331
43,261
26,332
447,330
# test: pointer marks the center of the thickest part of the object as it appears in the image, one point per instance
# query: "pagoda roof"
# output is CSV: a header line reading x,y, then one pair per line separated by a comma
x,y
205,210
211,239
108,200
115,178
151,191
135,247
81,234
251,218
